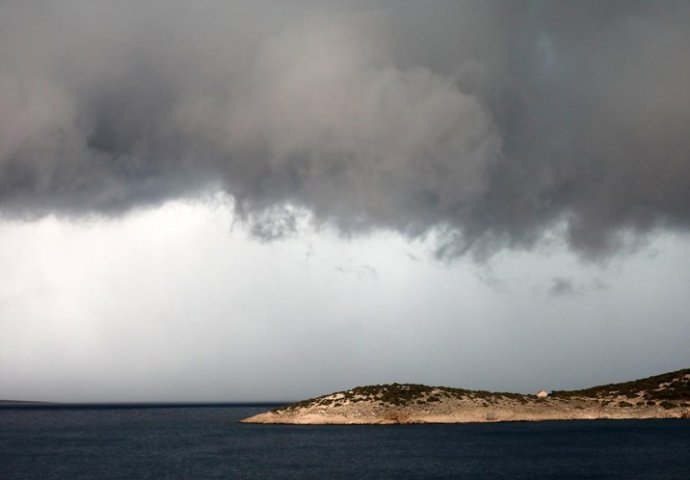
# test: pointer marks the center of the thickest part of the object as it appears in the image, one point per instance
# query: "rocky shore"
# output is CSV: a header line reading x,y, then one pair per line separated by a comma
x,y
661,396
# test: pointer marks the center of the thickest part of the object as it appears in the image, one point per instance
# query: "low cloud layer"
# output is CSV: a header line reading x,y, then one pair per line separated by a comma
x,y
486,122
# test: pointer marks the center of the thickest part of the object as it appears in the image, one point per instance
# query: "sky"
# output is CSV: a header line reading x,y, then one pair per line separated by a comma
x,y
270,200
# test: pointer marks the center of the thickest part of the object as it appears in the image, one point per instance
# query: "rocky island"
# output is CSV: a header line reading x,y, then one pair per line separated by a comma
x,y
660,396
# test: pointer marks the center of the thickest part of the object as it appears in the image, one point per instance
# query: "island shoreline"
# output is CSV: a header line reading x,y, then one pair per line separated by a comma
x,y
665,396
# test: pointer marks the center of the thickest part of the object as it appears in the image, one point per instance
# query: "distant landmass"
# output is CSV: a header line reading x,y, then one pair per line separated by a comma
x,y
660,396
21,402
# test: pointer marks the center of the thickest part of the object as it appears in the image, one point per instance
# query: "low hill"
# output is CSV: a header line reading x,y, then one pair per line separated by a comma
x,y
660,396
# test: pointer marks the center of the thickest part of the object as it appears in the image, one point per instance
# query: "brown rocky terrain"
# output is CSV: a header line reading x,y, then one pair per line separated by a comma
x,y
660,396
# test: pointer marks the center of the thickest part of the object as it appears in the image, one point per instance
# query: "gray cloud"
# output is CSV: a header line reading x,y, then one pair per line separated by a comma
x,y
487,122
562,287
569,287
361,272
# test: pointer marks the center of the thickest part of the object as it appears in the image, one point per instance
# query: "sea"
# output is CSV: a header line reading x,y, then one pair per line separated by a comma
x,y
206,442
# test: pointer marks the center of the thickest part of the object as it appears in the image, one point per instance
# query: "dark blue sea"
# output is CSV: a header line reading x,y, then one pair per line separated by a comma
x,y
208,443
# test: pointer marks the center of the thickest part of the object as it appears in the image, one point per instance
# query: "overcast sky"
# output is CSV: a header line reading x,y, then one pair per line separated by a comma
x,y
259,200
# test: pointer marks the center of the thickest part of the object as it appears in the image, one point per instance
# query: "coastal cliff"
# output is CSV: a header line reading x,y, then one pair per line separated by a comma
x,y
660,396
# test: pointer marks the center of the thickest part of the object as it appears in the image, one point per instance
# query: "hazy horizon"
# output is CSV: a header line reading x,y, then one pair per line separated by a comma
x,y
269,401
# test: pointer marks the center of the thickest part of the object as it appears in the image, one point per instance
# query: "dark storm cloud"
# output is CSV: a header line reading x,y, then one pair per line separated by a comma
x,y
488,122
